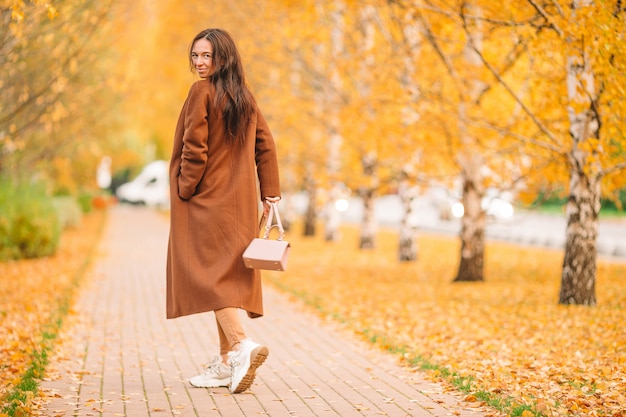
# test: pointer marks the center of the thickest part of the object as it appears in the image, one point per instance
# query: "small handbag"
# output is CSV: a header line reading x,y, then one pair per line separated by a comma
x,y
266,253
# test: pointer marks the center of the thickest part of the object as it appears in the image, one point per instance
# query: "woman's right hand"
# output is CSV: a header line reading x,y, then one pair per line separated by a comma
x,y
267,202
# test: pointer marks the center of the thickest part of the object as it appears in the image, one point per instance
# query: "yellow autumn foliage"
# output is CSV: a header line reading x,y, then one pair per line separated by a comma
x,y
508,333
31,292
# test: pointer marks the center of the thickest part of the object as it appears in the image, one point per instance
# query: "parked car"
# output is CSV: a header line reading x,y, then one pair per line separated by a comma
x,y
150,187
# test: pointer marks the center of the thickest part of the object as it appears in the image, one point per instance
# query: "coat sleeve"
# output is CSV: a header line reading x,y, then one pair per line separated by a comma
x,y
266,159
195,141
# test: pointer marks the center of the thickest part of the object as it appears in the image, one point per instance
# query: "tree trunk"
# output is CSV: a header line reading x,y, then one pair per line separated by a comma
x,y
335,140
407,245
368,225
332,215
369,157
578,278
310,217
367,193
471,265
407,239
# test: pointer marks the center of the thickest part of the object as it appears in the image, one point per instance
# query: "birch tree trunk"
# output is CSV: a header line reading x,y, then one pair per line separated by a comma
x,y
407,237
407,245
369,158
331,214
473,223
578,277
333,217
310,217
367,193
471,265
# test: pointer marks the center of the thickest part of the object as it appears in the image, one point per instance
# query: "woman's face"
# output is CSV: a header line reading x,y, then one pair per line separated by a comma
x,y
202,57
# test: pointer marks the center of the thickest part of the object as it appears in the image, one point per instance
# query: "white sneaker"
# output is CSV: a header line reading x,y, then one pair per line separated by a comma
x,y
215,375
243,364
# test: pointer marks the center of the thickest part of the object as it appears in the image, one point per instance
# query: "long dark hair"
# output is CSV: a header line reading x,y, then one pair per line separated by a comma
x,y
229,81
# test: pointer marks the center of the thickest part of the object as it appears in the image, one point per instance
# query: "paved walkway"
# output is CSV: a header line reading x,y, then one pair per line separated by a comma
x,y
120,357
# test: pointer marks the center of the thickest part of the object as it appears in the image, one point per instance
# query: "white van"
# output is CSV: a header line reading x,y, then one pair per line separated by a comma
x,y
150,187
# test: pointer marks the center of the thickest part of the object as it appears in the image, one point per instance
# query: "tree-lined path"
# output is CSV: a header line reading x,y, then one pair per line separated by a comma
x,y
122,358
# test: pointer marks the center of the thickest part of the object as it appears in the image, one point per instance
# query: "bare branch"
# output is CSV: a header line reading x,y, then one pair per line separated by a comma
x,y
511,58
506,86
428,6
430,36
546,16
522,138
558,7
613,169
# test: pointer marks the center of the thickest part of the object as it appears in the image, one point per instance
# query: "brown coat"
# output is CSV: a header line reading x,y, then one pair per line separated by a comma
x,y
215,207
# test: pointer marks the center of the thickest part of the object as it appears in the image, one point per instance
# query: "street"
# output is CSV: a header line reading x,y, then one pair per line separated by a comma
x,y
524,227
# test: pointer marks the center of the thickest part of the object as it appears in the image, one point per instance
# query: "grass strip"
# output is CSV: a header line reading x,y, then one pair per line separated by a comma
x,y
463,383
19,397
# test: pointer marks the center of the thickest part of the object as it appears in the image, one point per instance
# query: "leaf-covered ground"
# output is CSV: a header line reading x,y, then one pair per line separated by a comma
x,y
31,293
508,334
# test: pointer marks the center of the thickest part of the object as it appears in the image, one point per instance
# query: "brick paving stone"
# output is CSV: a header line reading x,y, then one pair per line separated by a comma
x,y
119,356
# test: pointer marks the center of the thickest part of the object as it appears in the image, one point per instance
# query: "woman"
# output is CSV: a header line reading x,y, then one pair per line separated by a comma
x,y
221,144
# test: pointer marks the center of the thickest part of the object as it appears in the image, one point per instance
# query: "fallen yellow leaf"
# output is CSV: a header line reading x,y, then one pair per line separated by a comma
x,y
508,333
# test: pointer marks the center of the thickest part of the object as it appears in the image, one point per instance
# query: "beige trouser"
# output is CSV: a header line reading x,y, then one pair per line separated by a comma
x,y
229,329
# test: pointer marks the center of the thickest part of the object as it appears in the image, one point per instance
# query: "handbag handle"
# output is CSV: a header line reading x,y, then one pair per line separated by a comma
x,y
269,223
